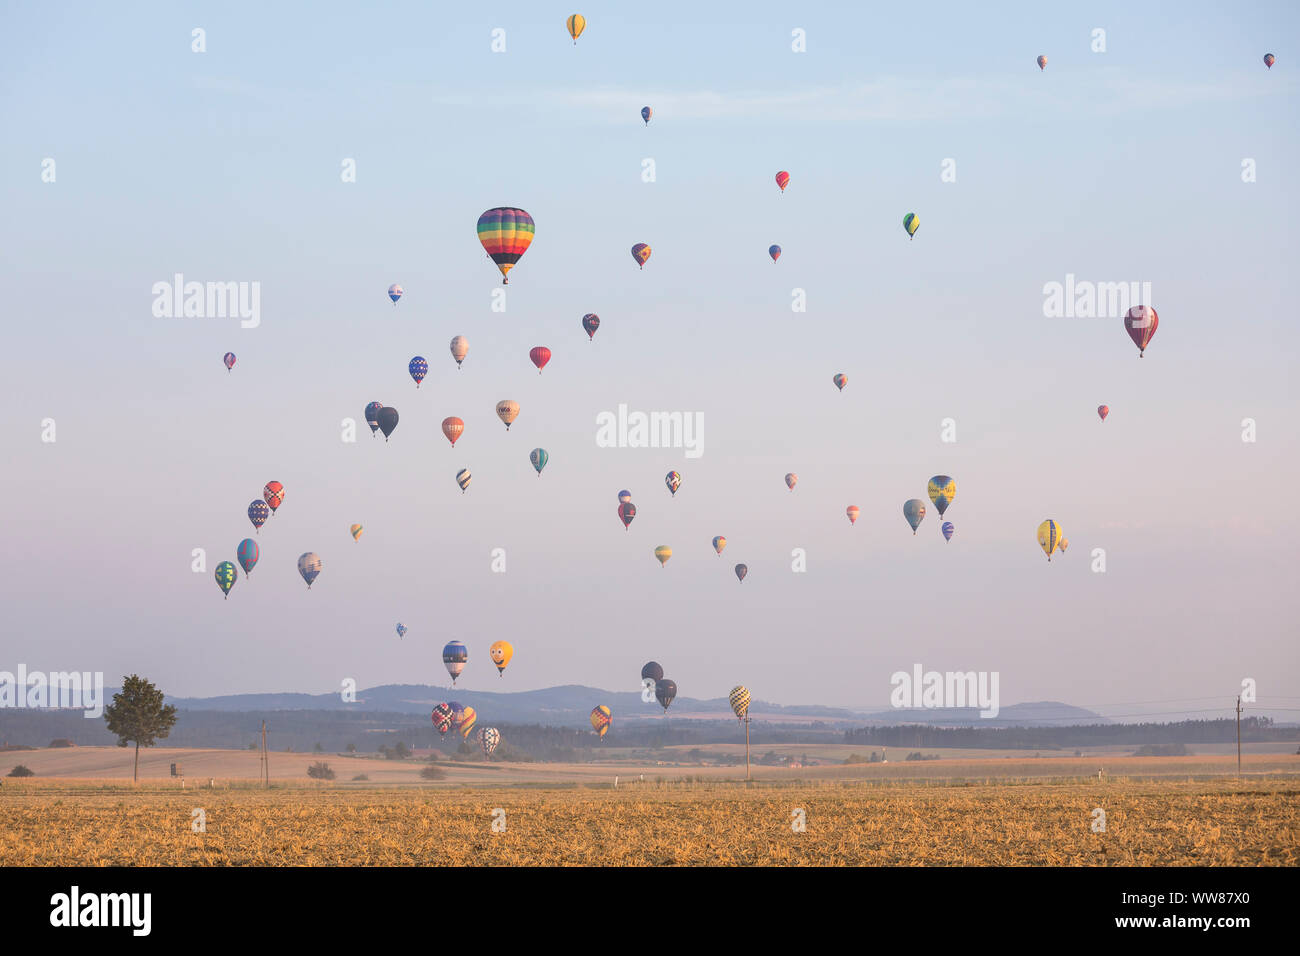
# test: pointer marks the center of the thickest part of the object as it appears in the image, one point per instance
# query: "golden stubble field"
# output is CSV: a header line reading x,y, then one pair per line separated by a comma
x,y
1167,822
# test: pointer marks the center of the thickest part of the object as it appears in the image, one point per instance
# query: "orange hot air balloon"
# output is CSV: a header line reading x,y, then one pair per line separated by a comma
x,y
641,252
1103,411
782,179
1042,62
853,511
453,428
540,356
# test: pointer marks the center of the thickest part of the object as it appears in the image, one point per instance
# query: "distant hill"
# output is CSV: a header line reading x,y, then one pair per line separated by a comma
x,y
1041,714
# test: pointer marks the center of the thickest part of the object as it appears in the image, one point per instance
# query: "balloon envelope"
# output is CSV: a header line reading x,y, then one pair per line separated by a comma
x,y
507,411
663,553
273,495
591,322
453,428
914,512
501,652
791,480
774,251
947,530
1049,537
626,512
674,481
652,671
372,416
1103,411
665,691
258,512
463,478
459,349
853,511
646,113
539,458
506,233
942,490
575,25
540,356
309,565
455,656
739,698
1042,62
782,179
356,530
624,496
719,543
641,252
741,571
840,380
387,419
1269,60
1141,323
401,630
488,738
394,292
418,368
601,718
248,553
229,359
226,576
442,718
911,222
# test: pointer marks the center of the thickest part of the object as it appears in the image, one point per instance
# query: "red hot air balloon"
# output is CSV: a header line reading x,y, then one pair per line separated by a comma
x,y
453,428
782,180
273,495
641,252
626,512
540,356
853,511
1103,411
1141,323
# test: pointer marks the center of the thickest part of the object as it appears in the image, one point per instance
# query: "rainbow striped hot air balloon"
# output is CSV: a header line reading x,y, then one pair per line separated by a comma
x,y
506,233
840,380
674,481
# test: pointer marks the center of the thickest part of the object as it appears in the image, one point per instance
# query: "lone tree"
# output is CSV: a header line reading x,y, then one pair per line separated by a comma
x,y
137,715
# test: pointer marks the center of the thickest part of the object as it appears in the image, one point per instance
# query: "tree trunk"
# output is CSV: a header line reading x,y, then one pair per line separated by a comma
x,y
136,778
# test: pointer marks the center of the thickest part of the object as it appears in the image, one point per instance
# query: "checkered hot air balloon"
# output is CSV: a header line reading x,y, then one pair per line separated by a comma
x,y
601,718
488,738
418,367
442,718
258,512
273,494
739,701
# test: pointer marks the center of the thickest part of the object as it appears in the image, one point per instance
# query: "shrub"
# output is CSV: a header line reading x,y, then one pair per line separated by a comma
x,y
320,771
361,776
21,771
432,773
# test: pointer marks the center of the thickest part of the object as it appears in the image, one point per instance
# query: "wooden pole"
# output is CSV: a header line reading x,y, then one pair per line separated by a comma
x,y
746,749
1238,738
266,763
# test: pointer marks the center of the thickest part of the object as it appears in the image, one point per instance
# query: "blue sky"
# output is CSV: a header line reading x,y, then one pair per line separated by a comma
x,y
225,165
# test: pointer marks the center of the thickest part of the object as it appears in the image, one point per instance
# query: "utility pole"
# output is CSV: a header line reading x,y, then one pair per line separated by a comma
x,y
1239,737
746,748
266,763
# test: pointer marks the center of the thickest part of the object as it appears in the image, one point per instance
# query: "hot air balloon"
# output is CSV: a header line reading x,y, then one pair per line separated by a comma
x,y
356,530
791,479
507,411
674,481
229,359
248,553
387,419
1269,60
782,180
774,251
372,416
853,511
273,495
626,512
488,738
739,698
455,656
1103,411
601,718
442,718
418,368
646,113
840,380
1065,543
540,356
914,512
719,542
942,491
1042,62
652,671
463,720
576,24
1141,322
947,530
641,252
453,428
591,322
663,553
665,691
741,571
401,629
462,479
394,292
501,652
1049,537
309,565
459,349
258,512
624,496
505,233
226,576
539,459
911,222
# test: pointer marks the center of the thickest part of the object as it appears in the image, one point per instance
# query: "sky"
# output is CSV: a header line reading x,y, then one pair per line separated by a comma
x,y
225,165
